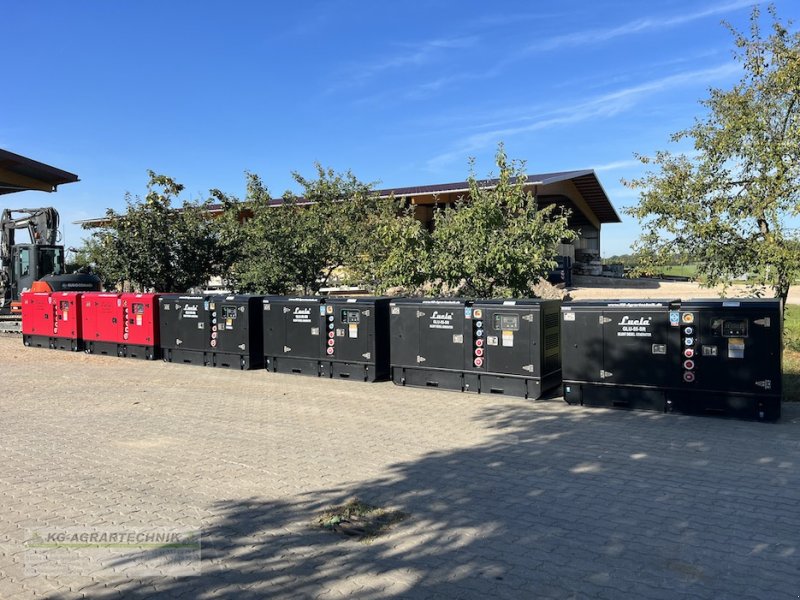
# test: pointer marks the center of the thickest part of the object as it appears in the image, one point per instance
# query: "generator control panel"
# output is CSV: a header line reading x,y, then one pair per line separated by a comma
x,y
351,315
506,322
729,327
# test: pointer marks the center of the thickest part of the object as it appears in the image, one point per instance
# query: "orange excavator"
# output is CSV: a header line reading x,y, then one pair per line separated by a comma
x,y
38,265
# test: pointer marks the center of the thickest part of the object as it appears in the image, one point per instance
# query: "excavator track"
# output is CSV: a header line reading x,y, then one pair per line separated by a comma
x,y
11,324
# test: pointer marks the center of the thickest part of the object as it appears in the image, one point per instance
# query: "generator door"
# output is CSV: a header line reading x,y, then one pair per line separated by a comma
x,y
582,345
509,337
441,335
353,332
404,333
738,351
638,349
274,326
193,325
232,327
304,326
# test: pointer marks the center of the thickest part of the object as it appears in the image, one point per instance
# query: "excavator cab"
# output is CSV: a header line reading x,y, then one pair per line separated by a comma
x,y
30,262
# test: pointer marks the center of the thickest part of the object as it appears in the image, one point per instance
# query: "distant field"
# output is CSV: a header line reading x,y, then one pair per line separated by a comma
x,y
680,270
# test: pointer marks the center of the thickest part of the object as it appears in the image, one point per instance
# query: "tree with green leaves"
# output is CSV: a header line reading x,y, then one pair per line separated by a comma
x,y
263,245
153,246
299,242
725,206
497,241
393,250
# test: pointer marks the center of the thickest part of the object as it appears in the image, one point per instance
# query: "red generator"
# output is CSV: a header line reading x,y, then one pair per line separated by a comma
x,y
52,320
121,324
140,328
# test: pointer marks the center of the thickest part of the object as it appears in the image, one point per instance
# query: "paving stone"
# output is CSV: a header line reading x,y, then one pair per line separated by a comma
x,y
507,498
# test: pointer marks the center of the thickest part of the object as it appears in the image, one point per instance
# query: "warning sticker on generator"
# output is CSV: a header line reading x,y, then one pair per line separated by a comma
x,y
353,330
508,338
735,347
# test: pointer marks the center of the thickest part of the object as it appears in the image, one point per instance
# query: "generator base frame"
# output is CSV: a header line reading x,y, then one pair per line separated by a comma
x,y
187,357
668,400
53,343
479,383
122,350
293,366
229,360
356,371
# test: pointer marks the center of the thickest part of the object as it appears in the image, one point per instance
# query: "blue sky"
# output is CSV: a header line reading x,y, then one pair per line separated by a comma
x,y
401,93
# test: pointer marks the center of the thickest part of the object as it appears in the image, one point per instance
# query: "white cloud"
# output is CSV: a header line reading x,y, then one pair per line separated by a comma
x,y
603,106
595,36
617,165
411,56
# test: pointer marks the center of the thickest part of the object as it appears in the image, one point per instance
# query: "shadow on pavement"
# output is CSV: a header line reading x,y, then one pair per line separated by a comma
x,y
558,504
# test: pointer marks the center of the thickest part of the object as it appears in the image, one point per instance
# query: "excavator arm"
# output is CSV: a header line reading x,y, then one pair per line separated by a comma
x,y
42,225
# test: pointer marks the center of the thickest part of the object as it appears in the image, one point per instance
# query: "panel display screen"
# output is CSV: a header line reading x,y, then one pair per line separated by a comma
x,y
734,328
351,315
729,327
228,312
506,322
138,309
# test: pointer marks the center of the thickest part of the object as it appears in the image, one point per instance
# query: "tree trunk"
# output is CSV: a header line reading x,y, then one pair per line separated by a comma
x,y
781,288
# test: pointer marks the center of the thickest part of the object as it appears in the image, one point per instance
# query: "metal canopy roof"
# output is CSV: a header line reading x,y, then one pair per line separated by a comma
x,y
19,174
585,181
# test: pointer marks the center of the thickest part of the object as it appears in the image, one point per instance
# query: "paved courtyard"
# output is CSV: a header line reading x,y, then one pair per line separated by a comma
x,y
506,498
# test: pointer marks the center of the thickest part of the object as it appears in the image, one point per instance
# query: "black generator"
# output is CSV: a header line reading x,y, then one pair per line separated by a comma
x,y
295,331
515,347
185,328
732,353
236,338
358,345
428,348
698,356
483,346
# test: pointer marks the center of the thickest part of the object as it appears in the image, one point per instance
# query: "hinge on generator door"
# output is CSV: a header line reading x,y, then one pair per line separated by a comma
x,y
367,355
420,314
604,374
528,318
420,359
287,349
766,384
604,320
241,346
528,368
763,322
286,309
365,312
